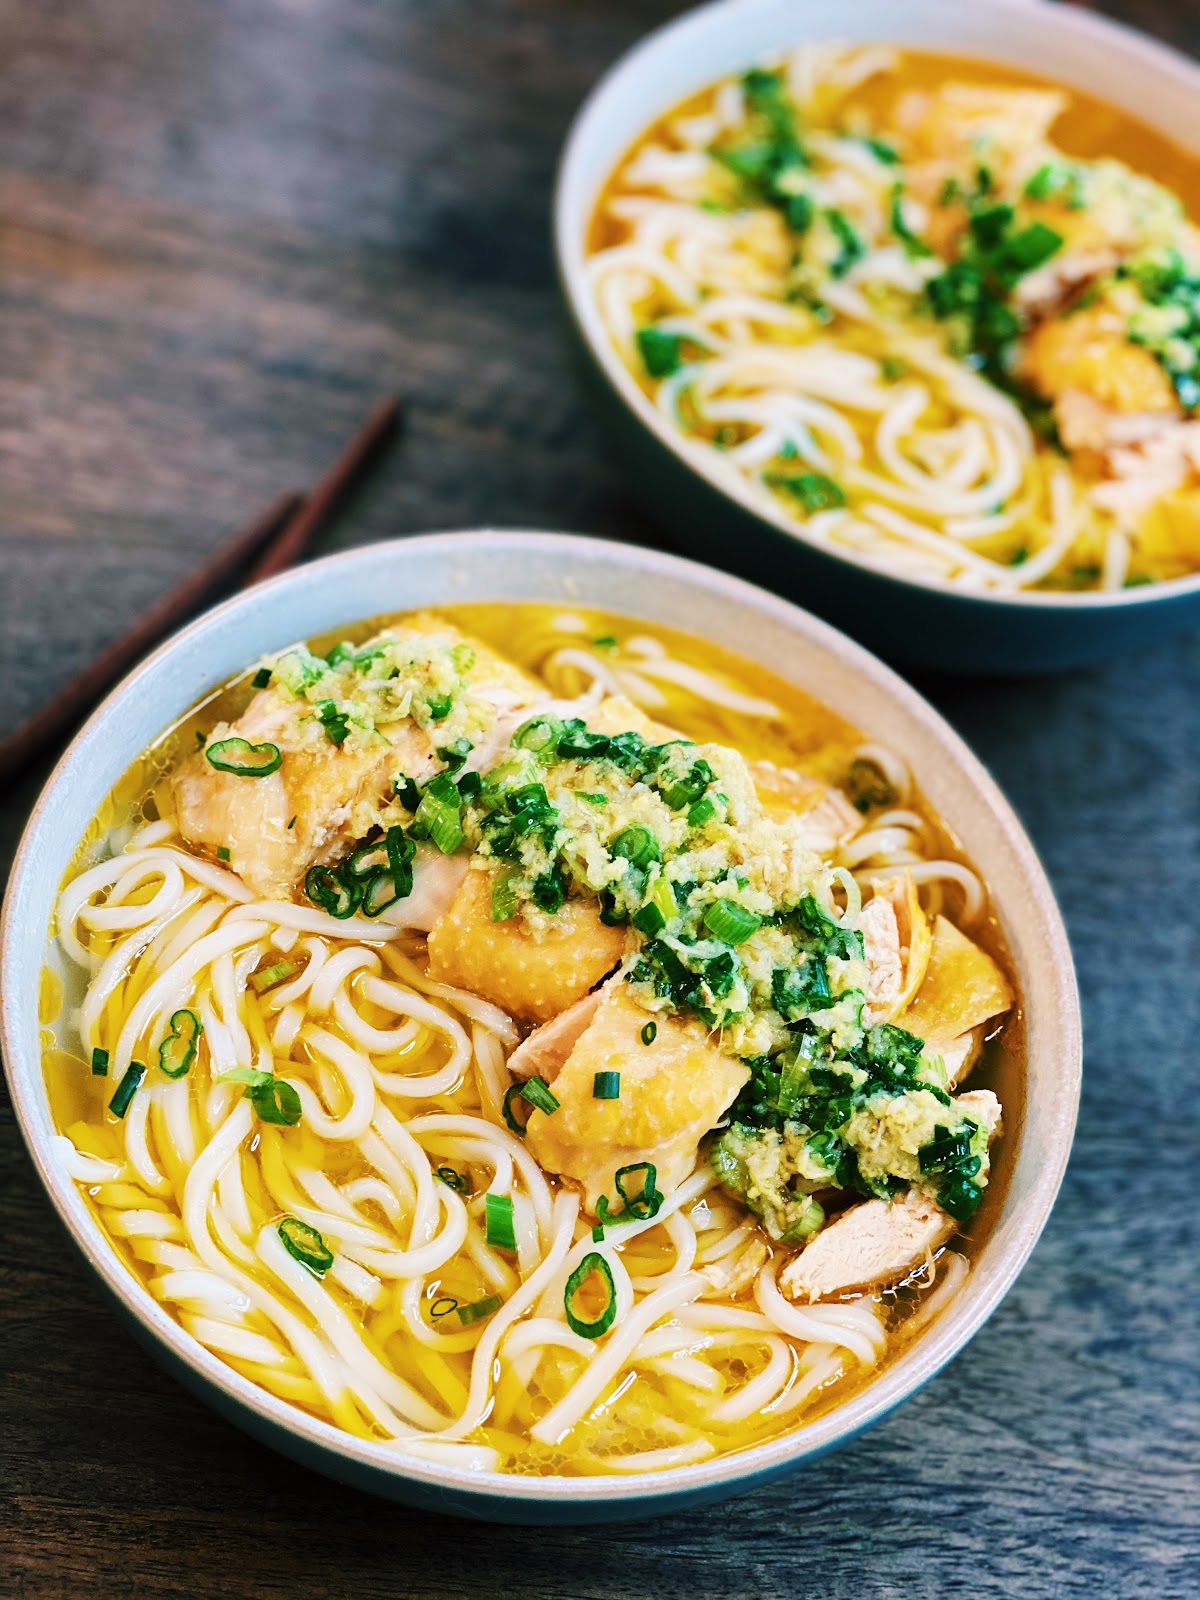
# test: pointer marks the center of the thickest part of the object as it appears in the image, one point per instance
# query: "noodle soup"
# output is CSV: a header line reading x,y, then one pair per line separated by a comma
x,y
917,305
534,1040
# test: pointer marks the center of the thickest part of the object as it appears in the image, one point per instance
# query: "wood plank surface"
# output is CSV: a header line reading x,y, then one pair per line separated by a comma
x,y
226,226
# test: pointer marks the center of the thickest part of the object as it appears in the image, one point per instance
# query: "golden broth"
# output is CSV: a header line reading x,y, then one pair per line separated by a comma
x,y
631,1415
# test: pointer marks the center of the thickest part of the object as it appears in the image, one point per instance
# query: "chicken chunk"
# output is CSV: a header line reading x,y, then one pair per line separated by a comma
x,y
827,818
963,988
546,1048
1089,352
532,978
673,1091
896,943
875,1245
276,827
323,795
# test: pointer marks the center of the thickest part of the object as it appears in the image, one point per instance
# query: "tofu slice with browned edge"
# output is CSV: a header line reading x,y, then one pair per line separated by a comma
x,y
673,1090
963,988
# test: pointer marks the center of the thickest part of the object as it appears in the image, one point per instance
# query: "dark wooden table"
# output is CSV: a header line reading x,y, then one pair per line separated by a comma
x,y
225,227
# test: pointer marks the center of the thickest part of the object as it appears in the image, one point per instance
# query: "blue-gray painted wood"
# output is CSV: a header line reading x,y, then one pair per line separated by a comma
x,y
226,226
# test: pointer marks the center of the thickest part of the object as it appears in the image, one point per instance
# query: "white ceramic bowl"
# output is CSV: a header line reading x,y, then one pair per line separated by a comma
x,y
450,568
926,620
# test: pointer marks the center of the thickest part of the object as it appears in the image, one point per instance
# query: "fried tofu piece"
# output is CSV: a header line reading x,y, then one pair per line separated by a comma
x,y
1168,537
1089,352
673,1091
532,978
874,1245
963,987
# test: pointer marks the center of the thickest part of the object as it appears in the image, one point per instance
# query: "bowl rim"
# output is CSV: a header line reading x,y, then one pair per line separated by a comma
x,y
722,1475
571,214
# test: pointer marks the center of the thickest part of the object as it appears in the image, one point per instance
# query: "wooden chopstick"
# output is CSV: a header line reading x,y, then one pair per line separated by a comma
x,y
280,537
60,714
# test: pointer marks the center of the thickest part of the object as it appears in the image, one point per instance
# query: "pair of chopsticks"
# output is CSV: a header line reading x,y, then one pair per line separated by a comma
x,y
273,542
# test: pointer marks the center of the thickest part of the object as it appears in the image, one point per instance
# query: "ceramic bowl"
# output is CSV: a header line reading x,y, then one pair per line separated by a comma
x,y
927,621
452,568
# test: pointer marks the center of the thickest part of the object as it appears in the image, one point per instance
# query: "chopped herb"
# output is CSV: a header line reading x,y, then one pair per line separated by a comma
x,y
637,845
335,722
851,242
125,1090
644,1202
592,1264
479,1310
539,1095
99,1063
661,353
443,1306
223,853
453,1179
178,1050
913,246
268,977
867,787
274,1099
305,1245
498,1221
243,759
335,892
814,490
649,1033
607,1085
261,678
731,922
606,641
512,1093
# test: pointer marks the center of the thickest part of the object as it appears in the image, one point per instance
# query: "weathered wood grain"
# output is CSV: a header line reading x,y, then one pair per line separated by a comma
x,y
225,227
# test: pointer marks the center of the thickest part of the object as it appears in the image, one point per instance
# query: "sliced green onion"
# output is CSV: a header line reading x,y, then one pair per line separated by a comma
x,y
243,759
100,1063
703,811
268,977
539,734
223,853
453,755
443,1306
498,1221
509,1096
332,891
274,1100
597,1234
649,1033
606,1086
261,678
178,1050
305,1245
380,893
636,844
481,1308
406,792
644,1203
439,707
401,851
504,894
537,1091
335,722
659,908
593,1262
125,1090
453,1179
438,817
731,922
368,859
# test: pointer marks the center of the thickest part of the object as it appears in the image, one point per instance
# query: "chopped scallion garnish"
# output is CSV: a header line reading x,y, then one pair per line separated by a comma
x,y
178,1050
268,977
223,853
731,922
607,1085
125,1090
481,1308
511,1094
100,1063
649,1033
453,1179
592,1264
261,678
498,1221
537,1091
243,759
305,1245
